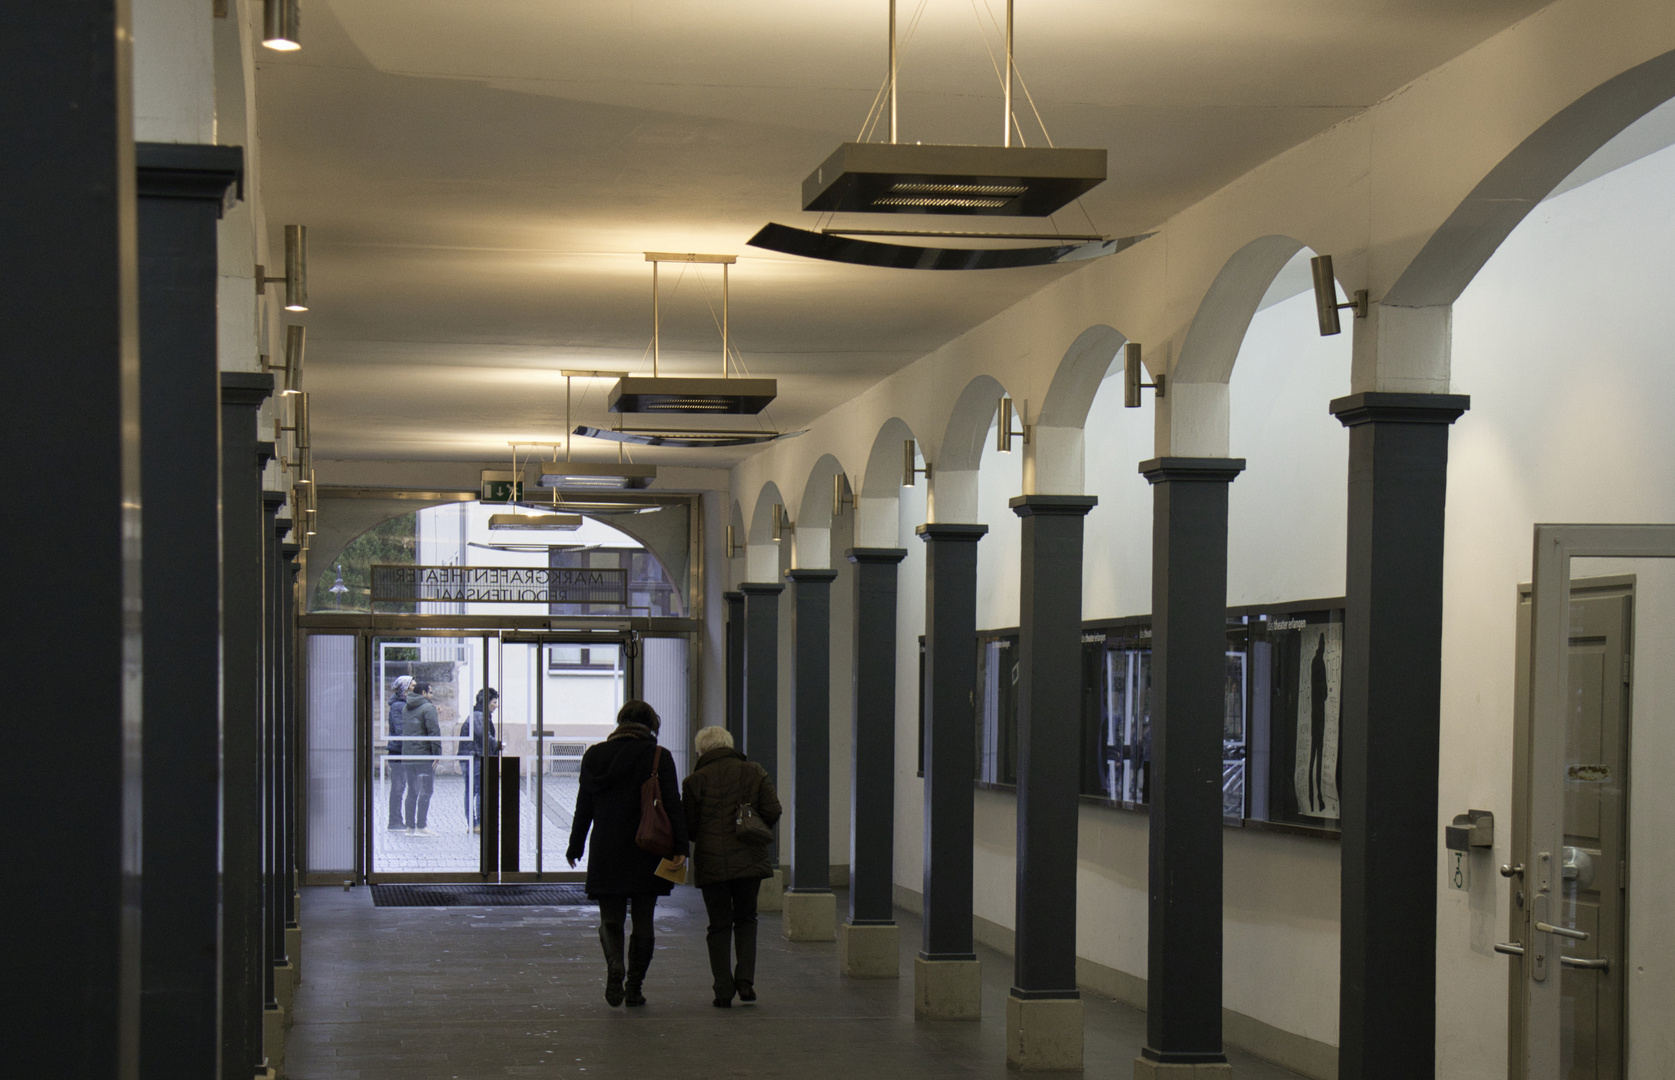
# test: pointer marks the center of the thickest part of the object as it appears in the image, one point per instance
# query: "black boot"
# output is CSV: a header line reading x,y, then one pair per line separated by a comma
x,y
639,959
610,939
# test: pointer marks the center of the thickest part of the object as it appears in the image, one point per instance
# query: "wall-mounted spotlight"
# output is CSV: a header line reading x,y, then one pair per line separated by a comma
x,y
909,467
783,525
1004,433
1132,372
298,426
281,22
841,495
1326,297
296,270
732,544
295,337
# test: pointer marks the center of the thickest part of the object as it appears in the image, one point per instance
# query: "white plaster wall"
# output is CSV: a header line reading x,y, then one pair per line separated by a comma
x,y
1287,512
174,71
1562,341
1117,540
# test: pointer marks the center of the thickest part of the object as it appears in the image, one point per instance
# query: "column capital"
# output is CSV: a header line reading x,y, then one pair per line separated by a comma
x,y
875,555
821,577
291,549
190,171
281,526
1201,469
245,387
272,500
760,588
1374,407
732,594
948,530
265,452
1062,505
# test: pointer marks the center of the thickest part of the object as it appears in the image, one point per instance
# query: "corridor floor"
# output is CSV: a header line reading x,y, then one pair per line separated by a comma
x,y
466,993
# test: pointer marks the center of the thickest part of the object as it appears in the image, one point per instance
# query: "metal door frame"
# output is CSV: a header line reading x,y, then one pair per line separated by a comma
x,y
1555,547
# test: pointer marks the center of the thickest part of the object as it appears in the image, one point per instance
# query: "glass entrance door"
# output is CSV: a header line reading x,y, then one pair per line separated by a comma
x,y
422,785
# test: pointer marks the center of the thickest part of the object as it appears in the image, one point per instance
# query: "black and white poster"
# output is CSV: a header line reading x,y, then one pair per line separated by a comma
x,y
1319,690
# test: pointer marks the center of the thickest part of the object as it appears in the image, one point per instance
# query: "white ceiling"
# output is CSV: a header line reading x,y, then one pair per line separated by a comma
x,y
481,179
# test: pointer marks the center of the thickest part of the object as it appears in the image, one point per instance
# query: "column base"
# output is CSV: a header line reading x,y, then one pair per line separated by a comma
x,y
1044,1034
1147,1069
870,951
273,1040
772,896
809,916
293,950
285,988
947,989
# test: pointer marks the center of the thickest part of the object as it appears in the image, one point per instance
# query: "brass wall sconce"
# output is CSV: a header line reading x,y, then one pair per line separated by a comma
x,y
1133,371
296,270
1004,433
1326,297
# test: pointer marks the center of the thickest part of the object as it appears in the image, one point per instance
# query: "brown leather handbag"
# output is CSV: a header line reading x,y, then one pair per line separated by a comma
x,y
655,834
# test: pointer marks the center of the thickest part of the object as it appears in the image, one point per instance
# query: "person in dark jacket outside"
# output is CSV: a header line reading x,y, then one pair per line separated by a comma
x,y
419,718
398,769
620,874
728,869
476,739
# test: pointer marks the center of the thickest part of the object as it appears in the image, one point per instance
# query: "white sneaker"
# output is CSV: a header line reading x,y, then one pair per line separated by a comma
x,y
424,832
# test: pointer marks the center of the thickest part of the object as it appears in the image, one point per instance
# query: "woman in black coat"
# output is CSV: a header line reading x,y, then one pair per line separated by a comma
x,y
621,876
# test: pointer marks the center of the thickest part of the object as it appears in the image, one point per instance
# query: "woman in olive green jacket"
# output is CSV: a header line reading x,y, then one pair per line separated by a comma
x,y
728,869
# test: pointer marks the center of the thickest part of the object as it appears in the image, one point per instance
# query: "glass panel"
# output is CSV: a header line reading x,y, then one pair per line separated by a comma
x,y
579,704
664,665
330,776
997,710
1293,689
419,781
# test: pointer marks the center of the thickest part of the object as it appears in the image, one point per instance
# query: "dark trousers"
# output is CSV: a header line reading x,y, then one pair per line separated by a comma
x,y
421,779
732,910
398,790
614,909
472,771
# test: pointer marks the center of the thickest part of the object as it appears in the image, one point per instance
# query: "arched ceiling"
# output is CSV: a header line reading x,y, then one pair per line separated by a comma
x,y
480,180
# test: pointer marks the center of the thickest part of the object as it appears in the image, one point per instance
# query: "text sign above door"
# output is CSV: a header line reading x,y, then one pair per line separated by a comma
x,y
501,584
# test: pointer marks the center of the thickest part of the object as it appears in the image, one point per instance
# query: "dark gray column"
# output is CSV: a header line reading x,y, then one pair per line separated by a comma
x,y
273,922
761,676
181,192
872,762
278,893
950,735
735,664
242,460
1392,672
1049,729
292,735
70,518
811,729
1189,675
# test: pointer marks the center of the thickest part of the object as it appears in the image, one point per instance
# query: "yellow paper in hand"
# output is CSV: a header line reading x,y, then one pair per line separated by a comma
x,y
670,872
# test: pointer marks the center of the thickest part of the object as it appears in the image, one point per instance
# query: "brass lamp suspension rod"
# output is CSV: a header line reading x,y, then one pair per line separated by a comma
x,y
726,261
1006,113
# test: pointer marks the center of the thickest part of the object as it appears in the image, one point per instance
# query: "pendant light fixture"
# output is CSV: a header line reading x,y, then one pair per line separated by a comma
x,y
684,437
690,396
592,475
913,178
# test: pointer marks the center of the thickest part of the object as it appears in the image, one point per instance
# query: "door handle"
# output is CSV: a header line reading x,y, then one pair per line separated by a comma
x,y
1562,931
1601,964
1509,948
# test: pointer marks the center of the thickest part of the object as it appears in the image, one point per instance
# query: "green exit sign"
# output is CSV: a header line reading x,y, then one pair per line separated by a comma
x,y
501,490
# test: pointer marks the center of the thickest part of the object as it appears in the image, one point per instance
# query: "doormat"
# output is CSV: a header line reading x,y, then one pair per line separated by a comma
x,y
544,895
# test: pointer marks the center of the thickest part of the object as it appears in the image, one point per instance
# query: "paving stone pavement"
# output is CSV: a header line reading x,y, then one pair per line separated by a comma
x,y
466,993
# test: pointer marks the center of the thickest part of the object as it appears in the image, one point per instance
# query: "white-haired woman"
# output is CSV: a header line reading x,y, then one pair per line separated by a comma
x,y
729,868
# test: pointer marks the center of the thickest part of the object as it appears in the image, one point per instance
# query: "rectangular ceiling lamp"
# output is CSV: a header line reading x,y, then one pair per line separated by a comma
x,y
539,522
1001,181
692,397
596,476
